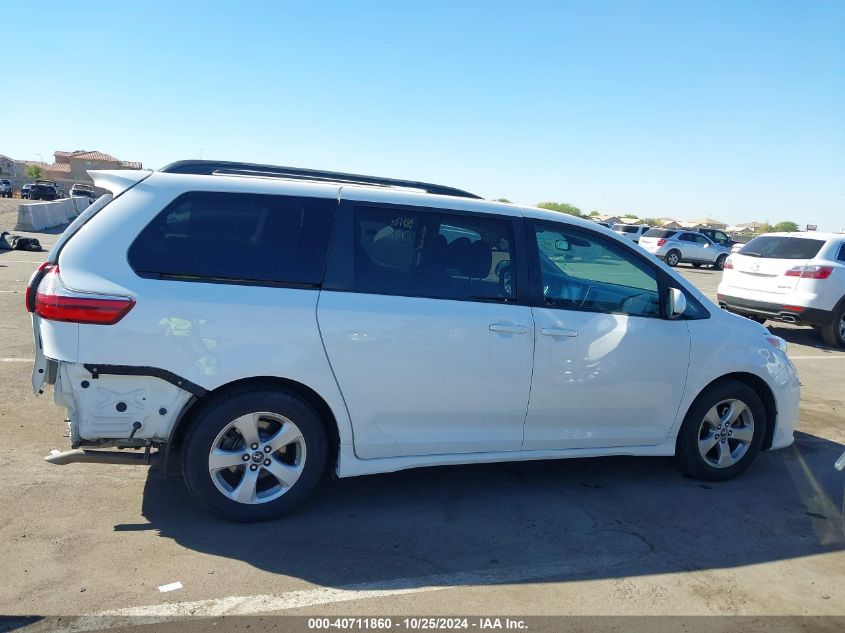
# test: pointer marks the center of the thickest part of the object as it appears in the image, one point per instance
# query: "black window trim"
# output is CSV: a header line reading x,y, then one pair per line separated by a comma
x,y
664,280
234,281
840,256
339,275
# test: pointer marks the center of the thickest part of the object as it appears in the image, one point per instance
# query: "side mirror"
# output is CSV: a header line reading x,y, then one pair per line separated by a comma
x,y
676,303
562,245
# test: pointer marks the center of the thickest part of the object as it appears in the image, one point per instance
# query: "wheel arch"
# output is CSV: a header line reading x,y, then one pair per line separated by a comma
x,y
760,387
173,447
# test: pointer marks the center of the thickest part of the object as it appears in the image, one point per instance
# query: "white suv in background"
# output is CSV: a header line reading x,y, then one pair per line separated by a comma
x,y
632,231
260,326
791,277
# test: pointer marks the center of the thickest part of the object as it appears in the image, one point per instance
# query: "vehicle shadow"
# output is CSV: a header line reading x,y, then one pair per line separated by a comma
x,y
800,335
637,513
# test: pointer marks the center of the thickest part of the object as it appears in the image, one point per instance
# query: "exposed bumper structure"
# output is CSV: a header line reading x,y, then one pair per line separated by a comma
x,y
85,456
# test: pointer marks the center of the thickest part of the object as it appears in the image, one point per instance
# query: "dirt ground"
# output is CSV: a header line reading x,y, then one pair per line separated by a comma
x,y
612,536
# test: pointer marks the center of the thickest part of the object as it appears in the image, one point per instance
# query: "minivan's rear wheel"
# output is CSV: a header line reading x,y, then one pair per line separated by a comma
x,y
722,432
254,454
673,258
720,263
834,332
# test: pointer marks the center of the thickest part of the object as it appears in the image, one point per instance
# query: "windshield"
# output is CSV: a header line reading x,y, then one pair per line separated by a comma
x,y
659,233
777,247
626,228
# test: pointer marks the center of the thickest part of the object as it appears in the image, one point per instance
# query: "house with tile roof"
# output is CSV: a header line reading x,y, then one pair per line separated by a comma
x,y
77,163
72,167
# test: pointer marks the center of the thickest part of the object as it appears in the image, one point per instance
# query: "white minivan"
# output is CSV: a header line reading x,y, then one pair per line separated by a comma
x,y
259,327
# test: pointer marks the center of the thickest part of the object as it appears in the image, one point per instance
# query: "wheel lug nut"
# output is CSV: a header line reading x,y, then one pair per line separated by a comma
x,y
723,440
266,462
253,467
245,458
730,432
267,449
254,446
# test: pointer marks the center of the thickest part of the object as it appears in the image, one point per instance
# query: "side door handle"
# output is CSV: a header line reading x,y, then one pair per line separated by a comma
x,y
505,328
558,332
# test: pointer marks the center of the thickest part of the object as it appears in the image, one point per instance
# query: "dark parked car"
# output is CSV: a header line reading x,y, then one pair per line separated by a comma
x,y
25,191
720,237
42,191
5,188
54,184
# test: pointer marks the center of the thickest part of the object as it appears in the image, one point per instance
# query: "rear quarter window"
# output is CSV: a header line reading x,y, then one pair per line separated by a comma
x,y
237,237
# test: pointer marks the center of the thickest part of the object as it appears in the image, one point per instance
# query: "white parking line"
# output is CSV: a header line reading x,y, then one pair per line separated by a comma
x,y
17,360
832,357
267,603
21,261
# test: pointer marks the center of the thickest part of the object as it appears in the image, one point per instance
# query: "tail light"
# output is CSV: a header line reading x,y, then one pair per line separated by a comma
x,y
810,272
661,241
56,303
37,276
728,264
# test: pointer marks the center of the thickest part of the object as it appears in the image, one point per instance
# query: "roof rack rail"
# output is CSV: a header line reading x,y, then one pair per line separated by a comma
x,y
229,168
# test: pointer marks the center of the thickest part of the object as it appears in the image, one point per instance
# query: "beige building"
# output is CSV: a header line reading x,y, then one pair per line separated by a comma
x,y
72,167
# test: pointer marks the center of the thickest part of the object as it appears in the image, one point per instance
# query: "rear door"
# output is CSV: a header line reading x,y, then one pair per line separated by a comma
x,y
427,330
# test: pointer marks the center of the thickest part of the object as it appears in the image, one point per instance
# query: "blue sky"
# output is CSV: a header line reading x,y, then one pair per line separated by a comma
x,y
734,110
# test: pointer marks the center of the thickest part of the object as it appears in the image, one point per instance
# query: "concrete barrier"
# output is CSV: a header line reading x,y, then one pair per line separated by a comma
x,y
37,216
80,204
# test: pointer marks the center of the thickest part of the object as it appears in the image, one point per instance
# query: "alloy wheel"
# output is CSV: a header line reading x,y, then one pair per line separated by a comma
x,y
725,433
257,457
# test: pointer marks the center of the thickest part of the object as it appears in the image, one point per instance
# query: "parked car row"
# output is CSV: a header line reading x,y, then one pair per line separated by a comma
x,y
46,190
696,246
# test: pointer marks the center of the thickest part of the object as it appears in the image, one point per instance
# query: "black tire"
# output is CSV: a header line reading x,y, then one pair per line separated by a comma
x,y
833,333
673,258
720,262
214,416
688,457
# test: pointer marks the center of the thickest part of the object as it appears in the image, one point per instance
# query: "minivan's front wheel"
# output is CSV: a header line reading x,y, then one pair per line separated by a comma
x,y
254,454
722,432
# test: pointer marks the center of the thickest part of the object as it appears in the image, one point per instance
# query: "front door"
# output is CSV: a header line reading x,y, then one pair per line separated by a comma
x,y
422,327
609,371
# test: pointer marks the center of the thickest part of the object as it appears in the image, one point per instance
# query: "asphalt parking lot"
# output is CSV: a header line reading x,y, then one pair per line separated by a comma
x,y
615,536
